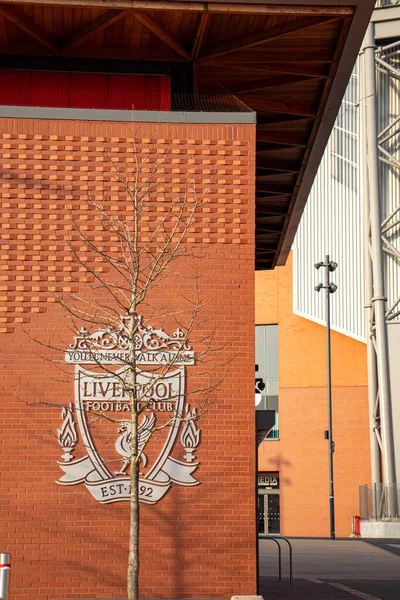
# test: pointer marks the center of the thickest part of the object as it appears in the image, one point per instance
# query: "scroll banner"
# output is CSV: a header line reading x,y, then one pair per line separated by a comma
x,y
117,489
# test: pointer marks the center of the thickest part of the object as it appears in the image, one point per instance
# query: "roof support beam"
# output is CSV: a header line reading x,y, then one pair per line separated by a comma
x,y
274,188
278,167
262,84
103,21
20,21
283,139
273,212
270,55
305,69
265,248
200,35
266,203
286,108
262,228
262,37
298,68
272,146
161,34
265,121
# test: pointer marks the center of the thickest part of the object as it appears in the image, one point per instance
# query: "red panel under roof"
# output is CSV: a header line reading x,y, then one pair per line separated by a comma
x,y
84,90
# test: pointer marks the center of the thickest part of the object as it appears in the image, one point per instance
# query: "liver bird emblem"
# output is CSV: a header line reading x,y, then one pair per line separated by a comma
x,y
123,443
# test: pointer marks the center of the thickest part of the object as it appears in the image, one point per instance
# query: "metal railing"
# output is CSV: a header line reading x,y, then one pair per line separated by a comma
x,y
376,500
276,540
218,101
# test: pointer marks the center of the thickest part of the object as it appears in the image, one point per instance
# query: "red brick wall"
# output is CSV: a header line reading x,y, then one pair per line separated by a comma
x,y
197,542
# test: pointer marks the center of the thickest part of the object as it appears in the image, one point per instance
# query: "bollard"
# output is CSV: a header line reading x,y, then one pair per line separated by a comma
x,y
355,527
5,568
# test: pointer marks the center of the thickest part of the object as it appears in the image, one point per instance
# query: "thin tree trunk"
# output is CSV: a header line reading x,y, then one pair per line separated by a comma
x,y
134,515
133,556
134,509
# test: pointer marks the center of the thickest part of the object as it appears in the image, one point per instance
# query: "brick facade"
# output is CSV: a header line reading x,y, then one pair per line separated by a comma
x,y
197,542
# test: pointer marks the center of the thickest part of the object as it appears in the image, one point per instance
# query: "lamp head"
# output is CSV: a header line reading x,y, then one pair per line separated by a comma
x,y
318,265
318,287
332,288
332,266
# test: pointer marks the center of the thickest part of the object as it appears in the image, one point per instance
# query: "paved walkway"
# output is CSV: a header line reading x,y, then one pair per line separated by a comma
x,y
332,570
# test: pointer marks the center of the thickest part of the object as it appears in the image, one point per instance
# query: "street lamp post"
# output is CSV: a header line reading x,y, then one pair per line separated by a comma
x,y
329,288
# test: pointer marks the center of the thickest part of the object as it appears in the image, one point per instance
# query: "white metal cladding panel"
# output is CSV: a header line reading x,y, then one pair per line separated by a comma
x,y
333,219
388,92
332,224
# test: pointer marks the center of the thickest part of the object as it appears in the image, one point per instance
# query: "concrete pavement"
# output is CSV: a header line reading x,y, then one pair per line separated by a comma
x,y
341,569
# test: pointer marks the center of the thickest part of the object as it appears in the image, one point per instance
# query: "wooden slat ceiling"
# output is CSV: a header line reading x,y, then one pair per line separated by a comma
x,y
281,61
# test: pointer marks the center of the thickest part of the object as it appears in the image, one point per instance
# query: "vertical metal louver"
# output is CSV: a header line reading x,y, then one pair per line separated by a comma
x,y
332,224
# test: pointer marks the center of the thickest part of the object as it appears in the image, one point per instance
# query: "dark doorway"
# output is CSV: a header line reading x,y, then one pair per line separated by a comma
x,y
268,511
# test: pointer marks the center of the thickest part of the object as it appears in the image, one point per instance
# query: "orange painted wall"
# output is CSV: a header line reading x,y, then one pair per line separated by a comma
x,y
301,454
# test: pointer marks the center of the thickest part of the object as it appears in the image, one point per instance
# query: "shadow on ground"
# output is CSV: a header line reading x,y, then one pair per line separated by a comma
x,y
339,569
302,589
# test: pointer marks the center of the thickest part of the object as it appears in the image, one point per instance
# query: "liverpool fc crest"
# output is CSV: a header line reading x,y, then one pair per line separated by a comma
x,y
101,414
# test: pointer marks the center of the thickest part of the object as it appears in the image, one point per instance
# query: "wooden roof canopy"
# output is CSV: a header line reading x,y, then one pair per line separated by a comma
x,y
289,62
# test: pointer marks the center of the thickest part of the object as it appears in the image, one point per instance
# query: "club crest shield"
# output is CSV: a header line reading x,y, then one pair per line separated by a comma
x,y
98,423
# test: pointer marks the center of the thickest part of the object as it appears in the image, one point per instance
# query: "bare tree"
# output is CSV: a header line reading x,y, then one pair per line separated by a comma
x,y
127,252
